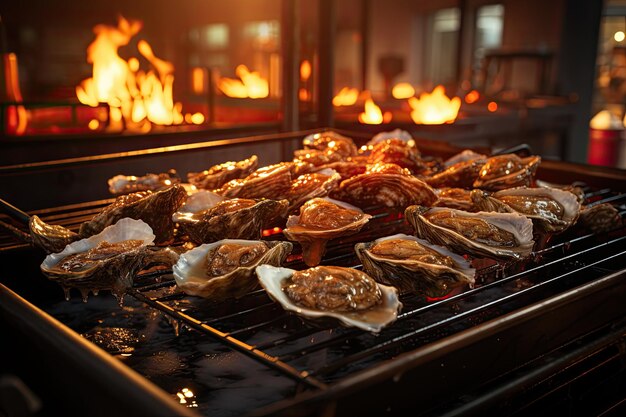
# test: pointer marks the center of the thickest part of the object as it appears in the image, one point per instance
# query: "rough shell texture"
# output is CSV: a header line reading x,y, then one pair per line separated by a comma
x,y
539,212
156,209
331,141
269,181
218,175
456,198
516,224
308,186
51,238
403,135
385,184
410,275
313,239
126,184
191,276
396,151
507,171
466,155
115,273
459,175
600,218
373,320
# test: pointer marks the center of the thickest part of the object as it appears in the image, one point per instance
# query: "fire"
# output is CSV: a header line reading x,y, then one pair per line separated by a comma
x,y
305,70
434,108
402,91
472,97
346,97
373,115
136,98
251,84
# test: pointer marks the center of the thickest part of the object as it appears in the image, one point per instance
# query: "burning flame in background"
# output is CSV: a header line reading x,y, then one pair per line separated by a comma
x,y
434,108
373,115
136,98
346,97
250,85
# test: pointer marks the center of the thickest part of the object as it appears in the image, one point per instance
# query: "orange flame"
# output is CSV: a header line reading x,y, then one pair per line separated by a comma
x,y
346,97
305,70
434,108
136,98
402,91
472,97
373,115
251,85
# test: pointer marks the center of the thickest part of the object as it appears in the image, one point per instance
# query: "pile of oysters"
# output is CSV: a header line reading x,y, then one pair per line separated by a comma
x,y
218,232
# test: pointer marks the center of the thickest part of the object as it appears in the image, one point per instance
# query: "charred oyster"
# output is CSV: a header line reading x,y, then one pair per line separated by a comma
x,y
218,175
414,265
551,209
507,171
491,235
320,220
225,269
346,294
206,217
126,184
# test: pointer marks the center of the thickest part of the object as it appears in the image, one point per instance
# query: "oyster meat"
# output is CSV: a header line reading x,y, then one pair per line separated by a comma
x,y
346,294
414,265
218,175
320,220
126,184
225,269
156,209
399,152
551,209
206,217
460,175
385,184
491,235
507,171
456,198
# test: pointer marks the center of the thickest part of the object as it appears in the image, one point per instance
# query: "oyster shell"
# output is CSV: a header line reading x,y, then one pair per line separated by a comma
x,y
464,156
507,171
308,186
400,134
272,181
492,235
460,175
317,157
218,175
51,238
331,141
551,209
326,291
225,269
600,218
126,184
346,169
320,220
206,217
456,198
414,265
385,184
106,261
399,152
156,209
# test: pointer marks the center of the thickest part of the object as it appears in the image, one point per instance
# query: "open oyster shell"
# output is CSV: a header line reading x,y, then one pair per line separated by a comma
x,y
192,269
551,209
101,264
372,320
272,180
308,186
320,220
482,234
51,238
460,175
218,175
507,171
434,274
126,184
206,217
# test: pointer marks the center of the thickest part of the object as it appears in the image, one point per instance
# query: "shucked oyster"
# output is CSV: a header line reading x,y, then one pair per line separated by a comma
x,y
218,175
551,209
156,209
225,269
385,184
106,261
507,171
414,265
319,221
126,184
492,235
346,294
206,217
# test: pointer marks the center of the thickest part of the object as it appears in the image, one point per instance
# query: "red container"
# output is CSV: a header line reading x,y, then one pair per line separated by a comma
x,y
603,147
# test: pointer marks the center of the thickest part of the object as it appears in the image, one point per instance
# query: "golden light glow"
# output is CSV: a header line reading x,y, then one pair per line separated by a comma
x,y
197,118
198,83
434,108
93,124
250,85
402,91
619,36
305,70
303,94
373,115
17,116
136,98
492,106
346,97
472,97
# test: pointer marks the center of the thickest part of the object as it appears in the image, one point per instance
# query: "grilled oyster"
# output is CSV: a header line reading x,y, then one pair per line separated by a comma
x,y
320,220
106,261
456,198
464,156
126,184
551,209
399,152
345,294
460,175
507,171
308,186
400,134
272,180
50,238
225,269
218,175
346,169
385,184
331,141
414,265
492,235
156,209
600,218
206,217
